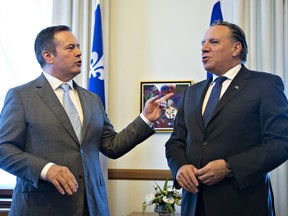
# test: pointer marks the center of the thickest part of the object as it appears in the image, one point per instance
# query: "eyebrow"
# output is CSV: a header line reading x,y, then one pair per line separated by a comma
x,y
73,44
210,39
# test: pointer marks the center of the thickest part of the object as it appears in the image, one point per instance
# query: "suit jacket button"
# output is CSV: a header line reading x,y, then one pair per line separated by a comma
x,y
205,143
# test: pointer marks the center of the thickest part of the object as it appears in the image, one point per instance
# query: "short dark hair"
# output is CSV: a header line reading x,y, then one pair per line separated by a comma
x,y
45,41
237,34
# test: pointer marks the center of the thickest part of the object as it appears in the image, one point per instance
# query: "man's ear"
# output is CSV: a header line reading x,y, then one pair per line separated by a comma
x,y
237,49
48,56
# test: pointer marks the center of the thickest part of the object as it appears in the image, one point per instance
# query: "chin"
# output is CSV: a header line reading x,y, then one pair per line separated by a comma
x,y
207,68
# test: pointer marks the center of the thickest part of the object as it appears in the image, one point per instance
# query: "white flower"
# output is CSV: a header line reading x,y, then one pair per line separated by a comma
x,y
169,200
157,191
149,198
170,189
167,196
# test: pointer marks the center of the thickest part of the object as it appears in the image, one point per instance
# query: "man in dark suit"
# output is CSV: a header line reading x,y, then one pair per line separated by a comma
x,y
58,173
223,165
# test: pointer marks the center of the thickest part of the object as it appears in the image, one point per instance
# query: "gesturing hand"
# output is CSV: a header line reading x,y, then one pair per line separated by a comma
x,y
62,179
155,108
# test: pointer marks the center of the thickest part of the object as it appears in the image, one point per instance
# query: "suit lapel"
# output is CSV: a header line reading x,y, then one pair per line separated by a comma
x,y
46,93
236,86
86,108
199,98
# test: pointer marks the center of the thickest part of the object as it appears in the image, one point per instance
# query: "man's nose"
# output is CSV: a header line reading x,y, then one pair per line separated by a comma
x,y
204,47
79,52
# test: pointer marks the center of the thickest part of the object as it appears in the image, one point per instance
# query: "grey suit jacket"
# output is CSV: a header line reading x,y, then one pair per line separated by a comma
x,y
35,130
249,128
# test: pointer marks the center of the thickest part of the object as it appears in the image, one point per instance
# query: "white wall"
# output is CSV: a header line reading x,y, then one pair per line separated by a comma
x,y
17,51
150,40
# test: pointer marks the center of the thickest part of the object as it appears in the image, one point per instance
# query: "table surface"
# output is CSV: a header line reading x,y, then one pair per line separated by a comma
x,y
147,214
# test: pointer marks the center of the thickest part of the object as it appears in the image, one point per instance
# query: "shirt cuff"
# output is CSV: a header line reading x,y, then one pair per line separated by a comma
x,y
45,170
150,124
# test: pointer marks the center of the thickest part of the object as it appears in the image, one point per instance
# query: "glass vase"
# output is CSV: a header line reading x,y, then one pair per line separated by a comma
x,y
163,210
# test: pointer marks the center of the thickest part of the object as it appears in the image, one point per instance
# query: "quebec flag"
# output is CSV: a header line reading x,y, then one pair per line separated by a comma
x,y
216,12
216,15
96,74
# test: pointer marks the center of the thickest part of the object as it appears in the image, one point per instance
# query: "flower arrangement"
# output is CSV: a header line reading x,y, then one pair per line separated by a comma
x,y
165,198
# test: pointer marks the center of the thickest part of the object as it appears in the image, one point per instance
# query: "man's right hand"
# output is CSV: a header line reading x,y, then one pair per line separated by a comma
x,y
186,178
62,179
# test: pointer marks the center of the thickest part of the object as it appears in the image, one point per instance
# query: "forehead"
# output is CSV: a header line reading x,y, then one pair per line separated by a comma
x,y
219,32
65,37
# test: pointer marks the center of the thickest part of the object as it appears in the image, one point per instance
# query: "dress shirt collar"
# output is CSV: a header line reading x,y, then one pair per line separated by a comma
x,y
55,83
230,74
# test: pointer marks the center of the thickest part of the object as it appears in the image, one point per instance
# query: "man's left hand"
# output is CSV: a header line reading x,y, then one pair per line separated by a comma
x,y
212,173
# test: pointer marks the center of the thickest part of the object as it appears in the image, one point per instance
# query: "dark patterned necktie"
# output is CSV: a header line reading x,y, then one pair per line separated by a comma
x,y
213,100
71,110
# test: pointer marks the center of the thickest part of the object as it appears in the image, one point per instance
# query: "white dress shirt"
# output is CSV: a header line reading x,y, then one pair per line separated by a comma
x,y
55,84
230,74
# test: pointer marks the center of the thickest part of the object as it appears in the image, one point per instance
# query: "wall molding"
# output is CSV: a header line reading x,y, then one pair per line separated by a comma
x,y
5,198
139,174
113,174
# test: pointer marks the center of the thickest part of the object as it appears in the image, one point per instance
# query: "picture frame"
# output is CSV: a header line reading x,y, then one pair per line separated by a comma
x,y
150,89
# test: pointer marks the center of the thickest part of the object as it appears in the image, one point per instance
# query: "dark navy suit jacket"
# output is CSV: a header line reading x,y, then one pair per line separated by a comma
x,y
249,129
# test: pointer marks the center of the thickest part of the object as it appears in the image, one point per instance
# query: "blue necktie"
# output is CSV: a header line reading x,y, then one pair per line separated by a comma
x,y
213,100
71,110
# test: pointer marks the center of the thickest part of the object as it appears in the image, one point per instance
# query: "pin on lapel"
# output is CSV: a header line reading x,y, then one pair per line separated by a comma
x,y
236,87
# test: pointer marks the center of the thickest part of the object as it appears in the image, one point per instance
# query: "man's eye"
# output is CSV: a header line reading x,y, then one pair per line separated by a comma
x,y
214,42
70,47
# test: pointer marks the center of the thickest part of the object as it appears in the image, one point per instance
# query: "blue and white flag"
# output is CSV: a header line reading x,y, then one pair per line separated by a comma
x,y
216,15
96,74
216,12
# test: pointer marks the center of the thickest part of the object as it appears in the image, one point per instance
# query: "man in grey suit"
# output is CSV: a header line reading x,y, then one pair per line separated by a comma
x,y
58,173
222,162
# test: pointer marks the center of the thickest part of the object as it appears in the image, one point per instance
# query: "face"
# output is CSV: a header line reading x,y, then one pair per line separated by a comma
x,y
66,63
219,52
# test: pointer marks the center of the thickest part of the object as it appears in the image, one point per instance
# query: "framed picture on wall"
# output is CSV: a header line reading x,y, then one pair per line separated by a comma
x,y
161,88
